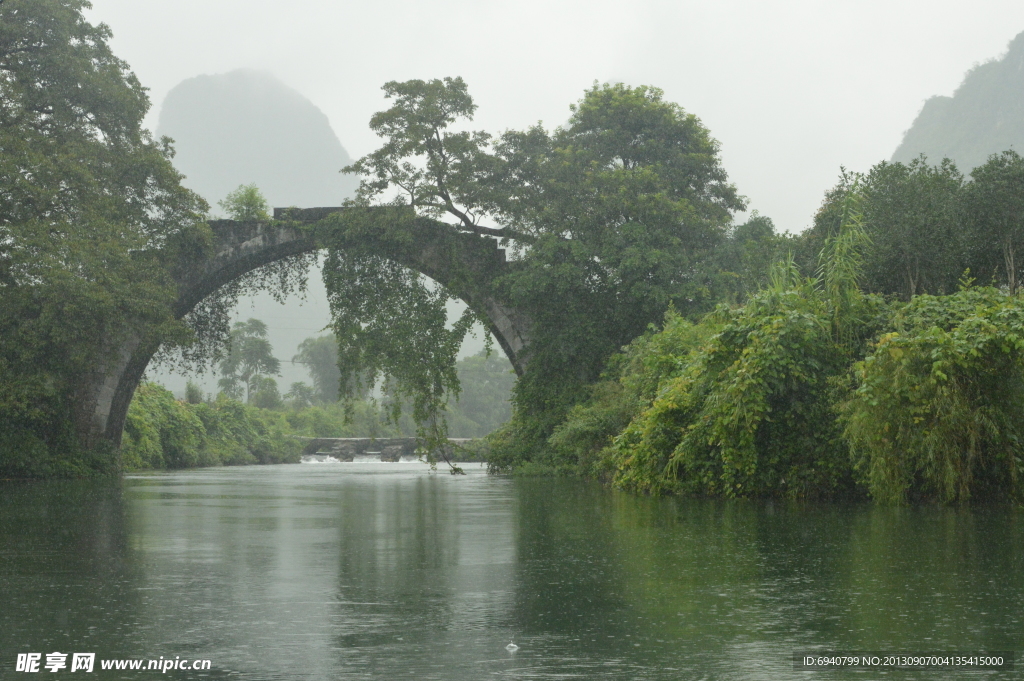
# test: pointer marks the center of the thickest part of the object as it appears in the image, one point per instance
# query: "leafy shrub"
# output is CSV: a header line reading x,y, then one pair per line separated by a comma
x,y
750,412
627,387
938,409
161,432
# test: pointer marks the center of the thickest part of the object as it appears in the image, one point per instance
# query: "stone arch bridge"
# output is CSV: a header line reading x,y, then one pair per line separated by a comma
x,y
464,263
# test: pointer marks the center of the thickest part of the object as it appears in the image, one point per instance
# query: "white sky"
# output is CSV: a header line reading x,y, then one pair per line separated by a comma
x,y
792,90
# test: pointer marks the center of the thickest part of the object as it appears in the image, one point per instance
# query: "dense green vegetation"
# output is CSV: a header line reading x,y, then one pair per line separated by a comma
x,y
161,432
927,224
623,213
260,426
937,407
86,198
670,350
814,388
612,218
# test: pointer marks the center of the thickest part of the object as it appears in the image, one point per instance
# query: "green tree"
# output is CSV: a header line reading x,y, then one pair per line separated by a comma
x,y
627,202
264,393
994,206
300,395
614,217
913,220
320,357
422,163
484,402
193,393
250,358
86,199
746,256
246,204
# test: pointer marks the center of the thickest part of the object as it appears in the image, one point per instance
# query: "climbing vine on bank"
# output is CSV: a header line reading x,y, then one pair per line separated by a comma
x,y
938,406
751,412
391,322
392,327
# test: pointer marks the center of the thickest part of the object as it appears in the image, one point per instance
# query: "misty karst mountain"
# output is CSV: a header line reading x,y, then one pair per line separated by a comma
x,y
246,126
984,116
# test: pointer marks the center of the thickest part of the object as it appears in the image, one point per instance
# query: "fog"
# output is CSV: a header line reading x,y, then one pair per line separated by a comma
x,y
792,90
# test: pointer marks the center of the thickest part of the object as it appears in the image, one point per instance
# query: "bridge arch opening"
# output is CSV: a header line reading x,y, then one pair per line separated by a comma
x,y
463,263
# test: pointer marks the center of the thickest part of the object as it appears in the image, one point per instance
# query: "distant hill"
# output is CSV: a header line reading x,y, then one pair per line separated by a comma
x,y
246,126
984,116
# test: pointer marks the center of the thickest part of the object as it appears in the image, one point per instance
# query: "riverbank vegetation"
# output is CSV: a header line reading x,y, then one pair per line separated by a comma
x,y
818,387
671,348
924,403
250,422
763,379
91,208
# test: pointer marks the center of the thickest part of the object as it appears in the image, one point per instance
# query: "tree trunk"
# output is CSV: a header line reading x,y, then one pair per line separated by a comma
x,y
1011,266
911,281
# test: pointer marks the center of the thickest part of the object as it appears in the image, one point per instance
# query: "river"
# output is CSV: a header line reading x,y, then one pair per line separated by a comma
x,y
388,571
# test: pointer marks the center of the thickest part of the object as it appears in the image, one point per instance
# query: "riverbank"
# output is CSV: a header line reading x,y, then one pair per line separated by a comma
x,y
163,433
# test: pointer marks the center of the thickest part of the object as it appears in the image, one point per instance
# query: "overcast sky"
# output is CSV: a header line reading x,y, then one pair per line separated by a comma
x,y
792,90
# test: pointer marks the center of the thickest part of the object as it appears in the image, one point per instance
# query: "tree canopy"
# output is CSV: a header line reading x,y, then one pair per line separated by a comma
x,y
249,360
86,195
611,219
319,355
914,222
994,208
928,225
246,203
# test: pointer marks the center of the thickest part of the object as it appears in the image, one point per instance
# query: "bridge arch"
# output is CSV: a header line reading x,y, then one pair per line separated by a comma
x,y
465,264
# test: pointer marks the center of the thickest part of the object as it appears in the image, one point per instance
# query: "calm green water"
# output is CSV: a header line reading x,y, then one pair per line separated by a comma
x,y
385,571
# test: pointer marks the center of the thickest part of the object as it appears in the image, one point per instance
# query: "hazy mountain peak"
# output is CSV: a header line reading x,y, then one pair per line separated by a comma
x,y
984,116
247,126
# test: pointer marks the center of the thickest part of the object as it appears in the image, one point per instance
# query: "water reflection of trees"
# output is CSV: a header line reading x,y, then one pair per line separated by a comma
x,y
421,562
744,575
68,574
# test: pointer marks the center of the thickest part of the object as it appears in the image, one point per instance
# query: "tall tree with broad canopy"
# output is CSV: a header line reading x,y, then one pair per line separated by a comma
x,y
250,358
319,355
994,208
611,219
86,198
913,220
